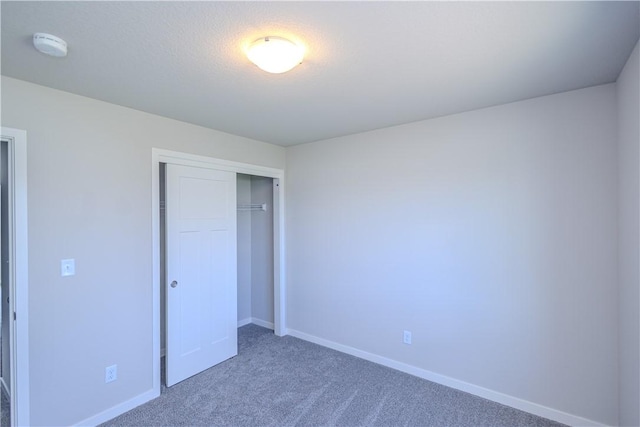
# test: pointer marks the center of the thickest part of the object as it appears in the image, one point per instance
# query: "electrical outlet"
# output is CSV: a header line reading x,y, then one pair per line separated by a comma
x,y
110,373
407,337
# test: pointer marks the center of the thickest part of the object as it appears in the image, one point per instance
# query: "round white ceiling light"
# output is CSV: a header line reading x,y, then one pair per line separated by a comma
x,y
275,54
50,45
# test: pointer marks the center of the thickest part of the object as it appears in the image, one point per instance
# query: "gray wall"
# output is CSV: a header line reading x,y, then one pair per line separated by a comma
x,y
628,93
89,196
262,250
491,235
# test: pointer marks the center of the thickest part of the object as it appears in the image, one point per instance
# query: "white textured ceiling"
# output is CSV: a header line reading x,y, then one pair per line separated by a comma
x,y
368,65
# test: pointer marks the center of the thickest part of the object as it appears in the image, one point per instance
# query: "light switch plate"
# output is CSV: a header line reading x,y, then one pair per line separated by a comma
x,y
68,267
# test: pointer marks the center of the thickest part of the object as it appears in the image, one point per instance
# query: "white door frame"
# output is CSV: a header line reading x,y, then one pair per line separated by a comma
x,y
175,157
19,271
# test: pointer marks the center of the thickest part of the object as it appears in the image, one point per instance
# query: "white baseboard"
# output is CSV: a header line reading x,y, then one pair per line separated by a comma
x,y
263,323
244,322
256,321
4,386
119,409
514,402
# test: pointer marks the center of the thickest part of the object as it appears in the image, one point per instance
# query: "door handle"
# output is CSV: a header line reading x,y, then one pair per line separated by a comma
x,y
174,284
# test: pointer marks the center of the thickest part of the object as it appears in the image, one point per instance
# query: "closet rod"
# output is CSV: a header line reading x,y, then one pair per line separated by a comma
x,y
254,207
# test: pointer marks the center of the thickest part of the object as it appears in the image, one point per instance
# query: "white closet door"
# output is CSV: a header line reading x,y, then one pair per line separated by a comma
x,y
201,270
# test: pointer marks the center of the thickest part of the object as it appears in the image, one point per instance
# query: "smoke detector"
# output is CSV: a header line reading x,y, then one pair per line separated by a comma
x,y
50,45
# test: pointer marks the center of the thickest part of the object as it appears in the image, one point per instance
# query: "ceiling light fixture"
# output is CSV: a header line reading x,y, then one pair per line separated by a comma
x,y
275,54
50,45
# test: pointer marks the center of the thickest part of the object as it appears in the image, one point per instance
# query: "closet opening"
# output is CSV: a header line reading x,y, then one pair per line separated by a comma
x,y
257,227
255,250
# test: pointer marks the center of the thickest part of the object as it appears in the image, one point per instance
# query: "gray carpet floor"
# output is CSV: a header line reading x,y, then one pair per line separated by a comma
x,y
285,381
5,415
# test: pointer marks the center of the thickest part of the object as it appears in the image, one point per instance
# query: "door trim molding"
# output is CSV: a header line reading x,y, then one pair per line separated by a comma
x,y
19,271
279,284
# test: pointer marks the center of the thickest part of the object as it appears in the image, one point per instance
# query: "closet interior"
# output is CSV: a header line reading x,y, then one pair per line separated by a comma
x,y
255,250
